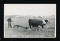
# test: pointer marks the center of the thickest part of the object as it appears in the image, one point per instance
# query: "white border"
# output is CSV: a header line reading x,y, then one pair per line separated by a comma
x,y
55,25
16,37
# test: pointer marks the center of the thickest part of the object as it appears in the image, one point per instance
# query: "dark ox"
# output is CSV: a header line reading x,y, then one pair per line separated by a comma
x,y
36,23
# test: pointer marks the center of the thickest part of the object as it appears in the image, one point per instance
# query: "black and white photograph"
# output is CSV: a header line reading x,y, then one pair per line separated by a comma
x,y
29,20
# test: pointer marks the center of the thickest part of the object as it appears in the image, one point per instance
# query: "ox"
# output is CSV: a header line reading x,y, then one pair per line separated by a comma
x,y
36,23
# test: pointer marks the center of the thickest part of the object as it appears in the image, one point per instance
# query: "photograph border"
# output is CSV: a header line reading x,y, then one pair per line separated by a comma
x,y
2,21
55,25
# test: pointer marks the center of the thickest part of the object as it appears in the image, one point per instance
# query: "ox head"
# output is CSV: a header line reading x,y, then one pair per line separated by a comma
x,y
46,21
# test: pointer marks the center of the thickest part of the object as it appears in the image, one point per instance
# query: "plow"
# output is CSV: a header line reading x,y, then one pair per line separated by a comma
x,y
20,26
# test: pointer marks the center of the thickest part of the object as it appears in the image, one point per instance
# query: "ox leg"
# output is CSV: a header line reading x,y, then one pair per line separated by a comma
x,y
42,26
30,26
37,28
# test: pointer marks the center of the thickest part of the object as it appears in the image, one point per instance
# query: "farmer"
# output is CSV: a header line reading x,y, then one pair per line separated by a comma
x,y
9,22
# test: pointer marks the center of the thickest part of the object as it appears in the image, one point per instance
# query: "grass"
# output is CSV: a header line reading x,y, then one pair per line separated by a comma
x,y
20,32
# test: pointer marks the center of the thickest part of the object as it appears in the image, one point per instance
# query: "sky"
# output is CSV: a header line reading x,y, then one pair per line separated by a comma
x,y
30,9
